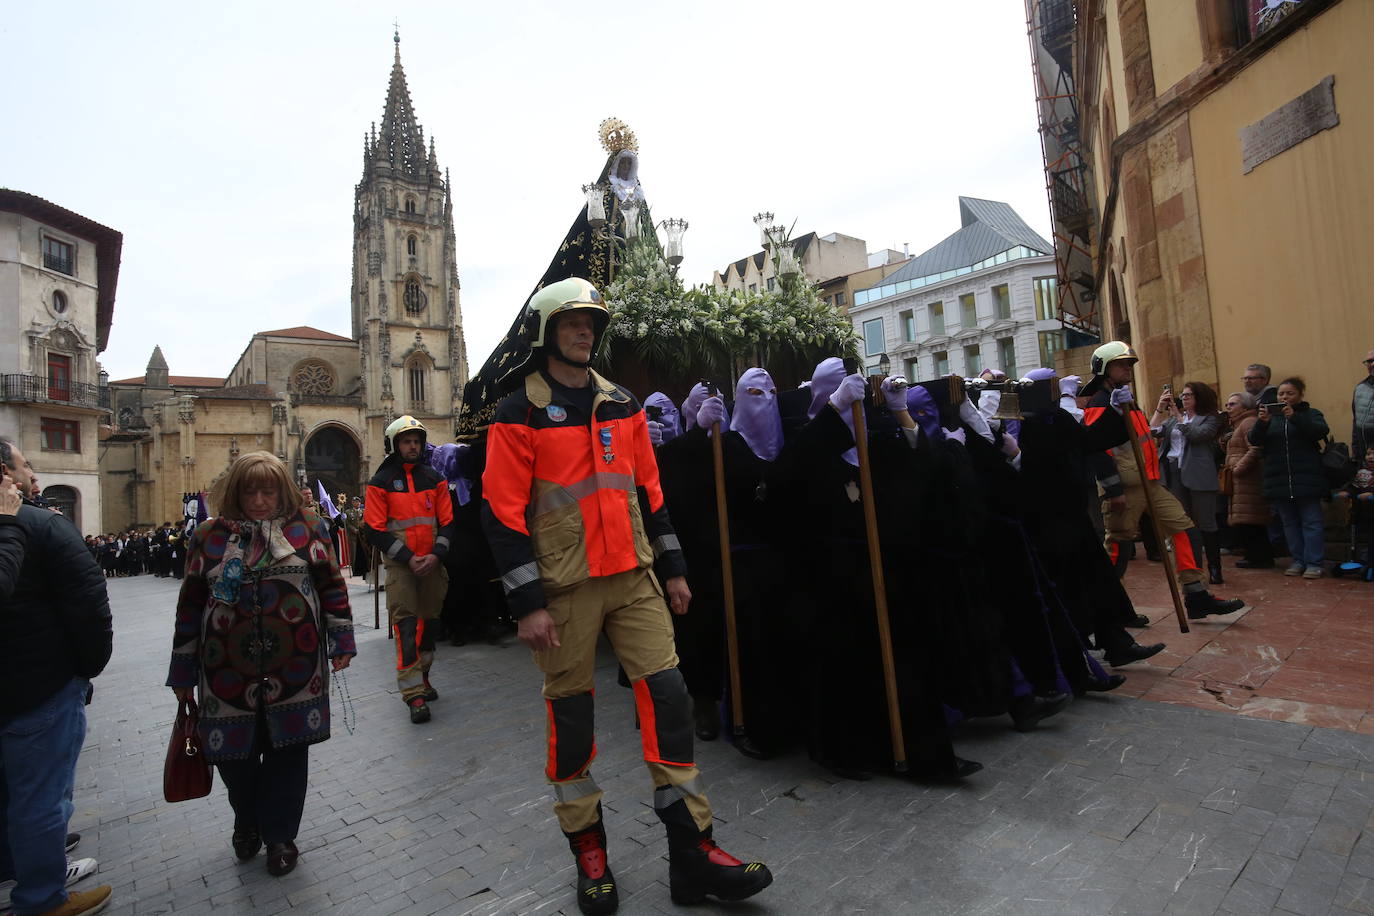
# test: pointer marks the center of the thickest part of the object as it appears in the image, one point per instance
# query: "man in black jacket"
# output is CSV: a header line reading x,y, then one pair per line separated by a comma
x,y
55,635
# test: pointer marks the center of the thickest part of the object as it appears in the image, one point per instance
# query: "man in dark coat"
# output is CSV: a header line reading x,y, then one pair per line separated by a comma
x,y
55,635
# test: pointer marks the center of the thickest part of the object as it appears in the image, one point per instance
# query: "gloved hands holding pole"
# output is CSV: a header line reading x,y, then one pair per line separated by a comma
x,y
894,393
1122,396
712,411
851,389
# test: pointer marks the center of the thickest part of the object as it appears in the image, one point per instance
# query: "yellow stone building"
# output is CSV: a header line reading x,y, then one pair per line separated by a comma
x,y
1207,162
320,401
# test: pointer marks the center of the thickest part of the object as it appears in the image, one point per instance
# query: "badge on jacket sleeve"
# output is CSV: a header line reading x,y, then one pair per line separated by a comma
x,y
606,454
556,413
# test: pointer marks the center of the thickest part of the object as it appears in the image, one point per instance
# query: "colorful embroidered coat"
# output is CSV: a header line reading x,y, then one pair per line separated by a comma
x,y
270,643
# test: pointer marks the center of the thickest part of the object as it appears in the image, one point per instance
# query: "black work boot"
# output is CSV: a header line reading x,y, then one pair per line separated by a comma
x,y
697,867
430,693
419,711
1202,603
596,891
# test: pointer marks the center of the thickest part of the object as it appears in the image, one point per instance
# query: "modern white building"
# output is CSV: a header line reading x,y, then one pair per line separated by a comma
x,y
58,272
985,297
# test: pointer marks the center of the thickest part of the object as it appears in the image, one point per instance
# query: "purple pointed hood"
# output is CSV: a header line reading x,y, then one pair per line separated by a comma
x,y
756,417
925,412
824,381
671,420
1036,375
453,462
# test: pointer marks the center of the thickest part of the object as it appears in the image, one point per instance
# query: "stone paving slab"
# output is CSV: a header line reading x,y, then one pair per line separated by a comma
x,y
1117,806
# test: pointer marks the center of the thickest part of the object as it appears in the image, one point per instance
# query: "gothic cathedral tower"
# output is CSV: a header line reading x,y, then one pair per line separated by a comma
x,y
406,314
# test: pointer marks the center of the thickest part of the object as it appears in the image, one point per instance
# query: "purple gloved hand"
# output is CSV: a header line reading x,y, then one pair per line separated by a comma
x,y
712,411
957,435
1009,446
1069,385
851,389
655,432
894,393
1122,395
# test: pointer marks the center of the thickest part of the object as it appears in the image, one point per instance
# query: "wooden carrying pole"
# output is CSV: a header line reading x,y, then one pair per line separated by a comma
x,y
727,579
1165,552
377,594
875,564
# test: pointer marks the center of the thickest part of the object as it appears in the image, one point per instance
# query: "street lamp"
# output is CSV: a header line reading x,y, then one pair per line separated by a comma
x,y
672,245
884,364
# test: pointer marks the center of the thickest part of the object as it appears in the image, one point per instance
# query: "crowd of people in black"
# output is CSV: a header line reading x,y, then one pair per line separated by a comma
x,y
157,551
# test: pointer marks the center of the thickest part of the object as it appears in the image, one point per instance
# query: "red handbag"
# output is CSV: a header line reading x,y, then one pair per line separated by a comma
x,y
186,775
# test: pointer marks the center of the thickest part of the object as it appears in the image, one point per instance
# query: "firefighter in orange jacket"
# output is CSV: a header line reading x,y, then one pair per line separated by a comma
x,y
408,517
576,521
1123,486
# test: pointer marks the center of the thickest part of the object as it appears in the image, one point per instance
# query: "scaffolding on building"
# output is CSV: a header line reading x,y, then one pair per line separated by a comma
x,y
1050,27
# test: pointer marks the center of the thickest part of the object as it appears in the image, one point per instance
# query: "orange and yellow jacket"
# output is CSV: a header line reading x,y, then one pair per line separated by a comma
x,y
408,511
567,496
1115,468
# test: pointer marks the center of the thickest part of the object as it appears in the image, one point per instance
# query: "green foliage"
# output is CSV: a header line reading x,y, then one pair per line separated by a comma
x,y
678,332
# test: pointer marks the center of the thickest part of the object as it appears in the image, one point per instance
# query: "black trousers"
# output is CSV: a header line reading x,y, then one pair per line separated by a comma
x,y
267,791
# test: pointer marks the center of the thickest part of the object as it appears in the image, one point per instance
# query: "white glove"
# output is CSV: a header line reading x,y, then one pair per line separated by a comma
x,y
1122,396
979,424
655,432
957,435
1069,385
711,411
851,390
894,393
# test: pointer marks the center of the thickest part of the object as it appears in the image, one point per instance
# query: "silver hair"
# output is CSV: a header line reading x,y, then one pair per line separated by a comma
x,y
1247,400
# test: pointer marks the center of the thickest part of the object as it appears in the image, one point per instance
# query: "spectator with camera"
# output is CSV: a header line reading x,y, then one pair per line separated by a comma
x,y
1291,431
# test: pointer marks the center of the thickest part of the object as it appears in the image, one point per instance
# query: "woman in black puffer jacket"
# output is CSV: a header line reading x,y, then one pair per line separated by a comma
x,y
1291,432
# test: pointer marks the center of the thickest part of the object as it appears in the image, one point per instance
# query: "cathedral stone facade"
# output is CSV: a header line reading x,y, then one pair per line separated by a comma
x,y
318,400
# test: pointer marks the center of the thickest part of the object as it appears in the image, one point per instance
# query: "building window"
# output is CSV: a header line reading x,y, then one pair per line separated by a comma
x,y
59,301
840,300
875,341
417,383
771,284
913,371
414,297
973,360
1006,353
65,500
1051,342
1046,300
412,246
1001,302
59,256
937,318
59,377
968,311
908,322
60,435
313,377
942,363
753,287
410,205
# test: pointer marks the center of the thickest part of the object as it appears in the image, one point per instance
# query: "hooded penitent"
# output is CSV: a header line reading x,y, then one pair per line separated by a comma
x,y
827,377
672,425
925,412
453,461
756,414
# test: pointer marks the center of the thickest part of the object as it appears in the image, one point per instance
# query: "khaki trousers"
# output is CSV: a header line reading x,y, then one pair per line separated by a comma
x,y
629,607
1124,526
412,603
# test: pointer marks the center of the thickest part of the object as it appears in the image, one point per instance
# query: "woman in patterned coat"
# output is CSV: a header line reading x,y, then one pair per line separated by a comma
x,y
262,606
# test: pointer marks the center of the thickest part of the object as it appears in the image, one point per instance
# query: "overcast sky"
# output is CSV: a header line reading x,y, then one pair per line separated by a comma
x,y
225,140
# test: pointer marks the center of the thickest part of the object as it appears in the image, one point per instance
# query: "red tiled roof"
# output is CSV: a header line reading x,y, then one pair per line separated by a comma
x,y
176,381
304,332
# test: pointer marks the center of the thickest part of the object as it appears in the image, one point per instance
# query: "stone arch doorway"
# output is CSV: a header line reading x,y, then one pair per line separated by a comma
x,y
331,456
67,499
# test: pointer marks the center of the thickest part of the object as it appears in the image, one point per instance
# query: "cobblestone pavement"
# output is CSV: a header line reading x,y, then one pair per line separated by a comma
x,y
1118,805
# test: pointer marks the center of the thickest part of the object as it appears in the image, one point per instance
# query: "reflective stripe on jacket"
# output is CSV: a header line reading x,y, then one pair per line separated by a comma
x,y
408,511
567,497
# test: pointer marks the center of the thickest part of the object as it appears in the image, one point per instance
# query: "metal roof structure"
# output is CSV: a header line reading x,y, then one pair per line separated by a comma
x,y
989,227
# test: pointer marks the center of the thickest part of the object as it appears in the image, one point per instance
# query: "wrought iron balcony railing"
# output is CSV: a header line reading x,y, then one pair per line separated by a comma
x,y
36,389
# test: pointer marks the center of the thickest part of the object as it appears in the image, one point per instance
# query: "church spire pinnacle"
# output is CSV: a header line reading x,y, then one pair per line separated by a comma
x,y
400,144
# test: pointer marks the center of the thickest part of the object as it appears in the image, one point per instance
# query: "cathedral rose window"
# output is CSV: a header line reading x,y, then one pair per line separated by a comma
x,y
313,377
